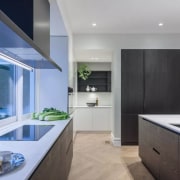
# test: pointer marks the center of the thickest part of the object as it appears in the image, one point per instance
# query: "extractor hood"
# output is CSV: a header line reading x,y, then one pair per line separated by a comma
x,y
15,45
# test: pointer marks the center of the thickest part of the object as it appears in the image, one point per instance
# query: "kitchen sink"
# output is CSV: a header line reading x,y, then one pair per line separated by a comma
x,y
26,133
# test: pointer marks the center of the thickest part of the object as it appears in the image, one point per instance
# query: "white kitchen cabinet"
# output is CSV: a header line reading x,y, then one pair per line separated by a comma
x,y
83,119
101,119
93,119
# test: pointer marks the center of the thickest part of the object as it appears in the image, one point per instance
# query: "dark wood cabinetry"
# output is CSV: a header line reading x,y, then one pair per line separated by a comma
x,y
150,85
129,135
148,147
168,154
161,83
158,149
98,79
56,164
131,94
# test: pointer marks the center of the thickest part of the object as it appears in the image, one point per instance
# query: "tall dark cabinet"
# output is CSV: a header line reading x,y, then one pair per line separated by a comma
x,y
162,81
131,94
150,82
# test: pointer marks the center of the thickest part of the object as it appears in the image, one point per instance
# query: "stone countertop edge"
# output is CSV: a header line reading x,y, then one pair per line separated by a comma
x,y
165,121
33,151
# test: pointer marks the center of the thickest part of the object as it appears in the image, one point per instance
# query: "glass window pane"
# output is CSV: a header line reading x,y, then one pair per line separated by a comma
x,y
28,91
7,90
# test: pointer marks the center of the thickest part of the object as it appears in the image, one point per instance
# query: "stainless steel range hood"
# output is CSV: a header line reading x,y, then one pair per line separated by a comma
x,y
18,47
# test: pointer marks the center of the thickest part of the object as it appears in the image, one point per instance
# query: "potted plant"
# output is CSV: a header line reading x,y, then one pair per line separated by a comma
x,y
84,71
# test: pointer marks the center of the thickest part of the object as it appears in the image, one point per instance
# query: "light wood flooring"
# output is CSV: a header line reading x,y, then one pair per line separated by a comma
x,y
95,158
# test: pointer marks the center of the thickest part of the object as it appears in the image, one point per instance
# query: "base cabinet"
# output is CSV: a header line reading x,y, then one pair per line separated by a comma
x,y
148,147
129,136
101,119
93,119
158,149
83,119
56,164
169,155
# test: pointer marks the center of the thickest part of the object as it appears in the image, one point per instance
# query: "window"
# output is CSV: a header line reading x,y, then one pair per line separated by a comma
x,y
7,90
13,81
28,92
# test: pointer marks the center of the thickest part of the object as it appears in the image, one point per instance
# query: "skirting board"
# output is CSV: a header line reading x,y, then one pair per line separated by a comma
x,y
115,141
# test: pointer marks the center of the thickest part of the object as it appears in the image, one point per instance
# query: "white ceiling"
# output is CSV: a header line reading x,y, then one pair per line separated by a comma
x,y
123,16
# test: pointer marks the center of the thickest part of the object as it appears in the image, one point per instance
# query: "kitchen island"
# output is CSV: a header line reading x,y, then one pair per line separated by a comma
x,y
54,148
159,145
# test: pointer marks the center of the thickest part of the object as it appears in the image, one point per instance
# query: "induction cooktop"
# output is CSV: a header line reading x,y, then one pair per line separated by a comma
x,y
26,133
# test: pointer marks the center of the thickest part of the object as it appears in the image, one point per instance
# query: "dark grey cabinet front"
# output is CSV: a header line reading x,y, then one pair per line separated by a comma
x,y
169,155
149,85
132,81
149,146
162,87
57,163
129,129
158,149
131,94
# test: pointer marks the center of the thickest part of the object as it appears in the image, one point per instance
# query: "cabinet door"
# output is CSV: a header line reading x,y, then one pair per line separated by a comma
x,y
152,148
149,146
129,129
143,139
169,155
101,119
131,94
83,119
162,86
158,149
69,156
53,165
132,81
68,132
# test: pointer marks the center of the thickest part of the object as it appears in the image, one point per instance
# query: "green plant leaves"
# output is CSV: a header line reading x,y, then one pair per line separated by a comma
x,y
84,71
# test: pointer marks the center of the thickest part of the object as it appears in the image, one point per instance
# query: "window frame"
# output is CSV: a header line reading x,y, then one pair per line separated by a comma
x,y
18,100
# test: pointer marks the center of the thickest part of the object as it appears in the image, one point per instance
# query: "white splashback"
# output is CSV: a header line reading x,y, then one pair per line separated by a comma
x,y
104,99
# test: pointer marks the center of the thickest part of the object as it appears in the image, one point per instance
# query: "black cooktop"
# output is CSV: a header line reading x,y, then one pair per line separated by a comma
x,y
26,133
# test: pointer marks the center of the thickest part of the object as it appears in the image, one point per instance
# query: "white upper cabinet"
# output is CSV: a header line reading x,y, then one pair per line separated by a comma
x,y
93,55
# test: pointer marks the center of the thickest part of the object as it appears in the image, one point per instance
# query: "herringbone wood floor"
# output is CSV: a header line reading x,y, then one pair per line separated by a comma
x,y
96,159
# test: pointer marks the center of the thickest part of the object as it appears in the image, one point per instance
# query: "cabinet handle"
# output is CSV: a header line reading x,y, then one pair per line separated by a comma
x,y
155,150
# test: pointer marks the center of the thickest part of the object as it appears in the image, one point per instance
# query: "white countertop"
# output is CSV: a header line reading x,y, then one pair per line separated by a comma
x,y
165,121
33,151
93,106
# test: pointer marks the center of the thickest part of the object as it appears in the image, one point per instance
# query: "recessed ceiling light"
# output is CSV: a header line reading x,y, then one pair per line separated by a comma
x,y
94,24
160,24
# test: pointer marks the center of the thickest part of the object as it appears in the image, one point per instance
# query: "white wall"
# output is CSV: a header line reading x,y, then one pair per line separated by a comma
x,y
104,99
97,66
53,84
116,43
60,26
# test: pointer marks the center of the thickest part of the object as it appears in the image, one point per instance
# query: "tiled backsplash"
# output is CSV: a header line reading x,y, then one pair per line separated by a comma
x,y
104,99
